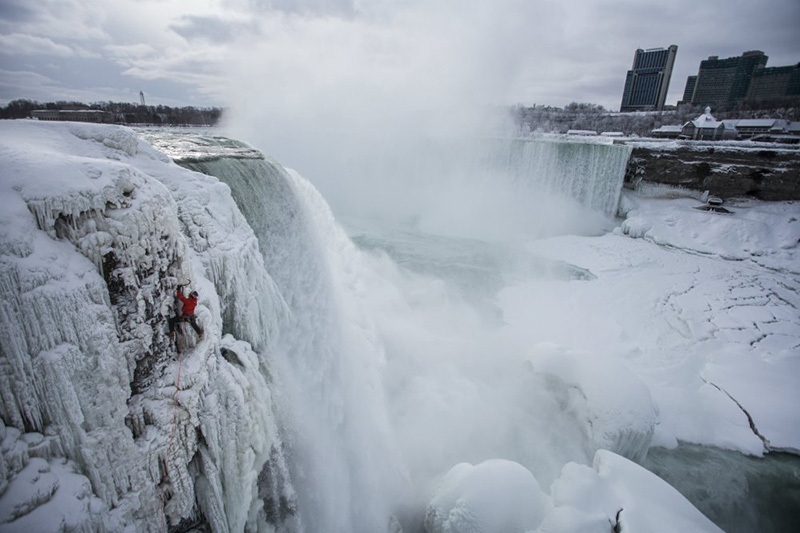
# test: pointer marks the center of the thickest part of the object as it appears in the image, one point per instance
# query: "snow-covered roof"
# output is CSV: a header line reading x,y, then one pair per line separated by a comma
x,y
706,125
670,128
756,122
707,121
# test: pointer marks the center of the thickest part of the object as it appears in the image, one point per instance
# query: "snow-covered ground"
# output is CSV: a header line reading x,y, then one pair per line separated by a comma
x,y
690,331
704,307
687,329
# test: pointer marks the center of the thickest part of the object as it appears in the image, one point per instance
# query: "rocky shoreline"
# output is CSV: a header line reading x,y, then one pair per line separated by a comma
x,y
723,169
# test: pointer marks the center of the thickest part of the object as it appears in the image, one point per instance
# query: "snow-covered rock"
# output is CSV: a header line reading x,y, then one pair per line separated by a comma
x,y
496,496
617,493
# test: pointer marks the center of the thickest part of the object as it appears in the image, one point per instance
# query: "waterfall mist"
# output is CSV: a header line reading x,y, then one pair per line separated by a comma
x,y
387,112
393,363
396,374
385,377
344,99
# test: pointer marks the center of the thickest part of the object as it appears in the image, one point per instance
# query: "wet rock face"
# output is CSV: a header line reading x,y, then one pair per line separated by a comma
x,y
765,174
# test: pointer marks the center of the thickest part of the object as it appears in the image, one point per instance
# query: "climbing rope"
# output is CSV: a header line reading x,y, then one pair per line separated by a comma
x,y
171,440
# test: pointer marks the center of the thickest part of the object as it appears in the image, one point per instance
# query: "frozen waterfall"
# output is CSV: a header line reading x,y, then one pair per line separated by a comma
x,y
590,173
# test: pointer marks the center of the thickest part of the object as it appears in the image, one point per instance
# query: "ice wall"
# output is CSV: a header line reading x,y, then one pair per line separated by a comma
x,y
105,425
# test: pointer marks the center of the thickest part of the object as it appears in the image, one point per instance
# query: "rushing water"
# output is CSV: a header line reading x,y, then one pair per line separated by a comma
x,y
391,368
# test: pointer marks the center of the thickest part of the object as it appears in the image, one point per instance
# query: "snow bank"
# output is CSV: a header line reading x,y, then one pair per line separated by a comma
x,y
766,233
703,307
614,492
492,497
610,402
499,496
761,388
95,231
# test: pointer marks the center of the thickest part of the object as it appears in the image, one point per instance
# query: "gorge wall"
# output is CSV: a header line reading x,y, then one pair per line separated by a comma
x,y
766,173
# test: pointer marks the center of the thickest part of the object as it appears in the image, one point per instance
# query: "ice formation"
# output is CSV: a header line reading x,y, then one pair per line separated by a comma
x,y
609,402
605,497
97,229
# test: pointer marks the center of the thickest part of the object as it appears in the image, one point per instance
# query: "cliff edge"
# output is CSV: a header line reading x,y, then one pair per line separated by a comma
x,y
763,172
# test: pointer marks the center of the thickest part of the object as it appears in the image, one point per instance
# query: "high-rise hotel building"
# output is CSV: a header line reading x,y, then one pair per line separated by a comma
x,y
745,79
647,82
723,82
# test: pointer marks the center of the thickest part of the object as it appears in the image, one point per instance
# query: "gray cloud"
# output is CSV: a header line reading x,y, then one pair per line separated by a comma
x,y
21,44
212,29
343,8
409,51
15,12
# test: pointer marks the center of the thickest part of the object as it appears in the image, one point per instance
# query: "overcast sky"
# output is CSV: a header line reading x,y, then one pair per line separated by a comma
x,y
342,53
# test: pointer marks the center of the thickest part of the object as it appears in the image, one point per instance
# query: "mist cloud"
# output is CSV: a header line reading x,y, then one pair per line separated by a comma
x,y
342,98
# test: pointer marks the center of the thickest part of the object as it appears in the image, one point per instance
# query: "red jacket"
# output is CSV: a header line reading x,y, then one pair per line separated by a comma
x,y
188,303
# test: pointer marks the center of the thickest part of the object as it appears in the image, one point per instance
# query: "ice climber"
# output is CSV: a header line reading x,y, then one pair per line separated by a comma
x,y
187,312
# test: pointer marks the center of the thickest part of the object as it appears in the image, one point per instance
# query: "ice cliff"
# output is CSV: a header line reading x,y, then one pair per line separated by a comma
x,y
106,425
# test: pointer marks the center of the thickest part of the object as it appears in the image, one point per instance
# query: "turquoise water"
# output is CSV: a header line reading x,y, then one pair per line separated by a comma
x,y
737,492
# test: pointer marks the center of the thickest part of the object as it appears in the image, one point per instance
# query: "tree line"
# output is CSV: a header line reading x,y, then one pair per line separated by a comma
x,y
122,112
535,119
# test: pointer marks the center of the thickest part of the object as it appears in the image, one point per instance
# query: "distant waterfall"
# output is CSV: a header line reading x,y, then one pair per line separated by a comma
x,y
487,188
590,173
